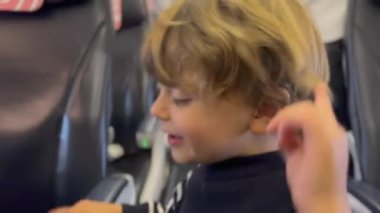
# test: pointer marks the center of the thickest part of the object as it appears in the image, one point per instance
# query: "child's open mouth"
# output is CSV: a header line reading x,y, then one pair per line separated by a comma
x,y
175,140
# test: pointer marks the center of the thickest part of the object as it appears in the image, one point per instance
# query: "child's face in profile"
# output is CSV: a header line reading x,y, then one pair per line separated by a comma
x,y
202,130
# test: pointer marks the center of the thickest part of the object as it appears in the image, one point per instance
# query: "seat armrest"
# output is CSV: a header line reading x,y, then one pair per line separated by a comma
x,y
365,193
117,188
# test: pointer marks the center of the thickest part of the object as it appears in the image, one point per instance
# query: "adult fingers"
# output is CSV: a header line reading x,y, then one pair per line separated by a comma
x,y
322,101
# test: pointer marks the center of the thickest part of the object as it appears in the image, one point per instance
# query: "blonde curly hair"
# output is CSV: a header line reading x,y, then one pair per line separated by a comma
x,y
250,48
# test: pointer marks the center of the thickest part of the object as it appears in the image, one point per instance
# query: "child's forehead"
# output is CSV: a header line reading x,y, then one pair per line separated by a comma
x,y
184,68
178,53
187,84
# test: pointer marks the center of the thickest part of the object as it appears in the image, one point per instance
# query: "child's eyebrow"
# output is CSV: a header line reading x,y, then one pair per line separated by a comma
x,y
159,86
180,92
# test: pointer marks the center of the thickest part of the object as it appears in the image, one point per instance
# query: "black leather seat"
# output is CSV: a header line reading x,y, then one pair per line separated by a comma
x,y
129,108
54,105
363,57
132,89
364,76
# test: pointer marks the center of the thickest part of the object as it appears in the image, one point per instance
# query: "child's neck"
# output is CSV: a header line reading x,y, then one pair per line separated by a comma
x,y
250,145
259,145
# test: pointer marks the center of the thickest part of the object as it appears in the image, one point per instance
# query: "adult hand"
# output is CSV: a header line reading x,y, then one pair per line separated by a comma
x,y
316,152
87,206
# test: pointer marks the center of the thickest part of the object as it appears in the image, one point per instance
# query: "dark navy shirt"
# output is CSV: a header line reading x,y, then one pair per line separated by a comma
x,y
239,185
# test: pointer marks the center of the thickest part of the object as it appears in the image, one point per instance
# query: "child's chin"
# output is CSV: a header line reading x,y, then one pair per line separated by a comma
x,y
181,158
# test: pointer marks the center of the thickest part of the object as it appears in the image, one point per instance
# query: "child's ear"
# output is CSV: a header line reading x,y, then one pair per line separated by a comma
x,y
265,111
263,115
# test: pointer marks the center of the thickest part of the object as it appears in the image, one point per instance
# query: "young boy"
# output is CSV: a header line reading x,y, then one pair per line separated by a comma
x,y
225,68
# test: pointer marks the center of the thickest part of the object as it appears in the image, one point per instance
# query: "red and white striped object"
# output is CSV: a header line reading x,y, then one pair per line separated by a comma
x,y
20,5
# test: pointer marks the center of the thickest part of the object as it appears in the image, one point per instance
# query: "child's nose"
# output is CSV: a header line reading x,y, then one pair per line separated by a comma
x,y
160,109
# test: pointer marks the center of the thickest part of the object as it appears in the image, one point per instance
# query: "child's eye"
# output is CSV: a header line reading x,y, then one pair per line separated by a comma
x,y
182,101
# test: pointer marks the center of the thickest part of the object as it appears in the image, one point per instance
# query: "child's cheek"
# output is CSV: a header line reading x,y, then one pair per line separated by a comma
x,y
191,127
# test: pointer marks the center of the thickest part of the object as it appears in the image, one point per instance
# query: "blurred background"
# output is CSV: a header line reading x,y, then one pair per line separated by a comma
x,y
74,102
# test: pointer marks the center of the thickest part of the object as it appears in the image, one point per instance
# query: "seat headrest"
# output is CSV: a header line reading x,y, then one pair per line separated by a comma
x,y
134,12
376,2
20,5
127,13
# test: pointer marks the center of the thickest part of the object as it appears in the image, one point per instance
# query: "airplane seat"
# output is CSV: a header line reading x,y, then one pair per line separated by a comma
x,y
133,92
55,88
363,71
129,107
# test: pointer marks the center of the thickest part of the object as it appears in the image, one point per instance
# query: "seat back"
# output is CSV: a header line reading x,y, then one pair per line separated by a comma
x,y
363,57
130,99
54,97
